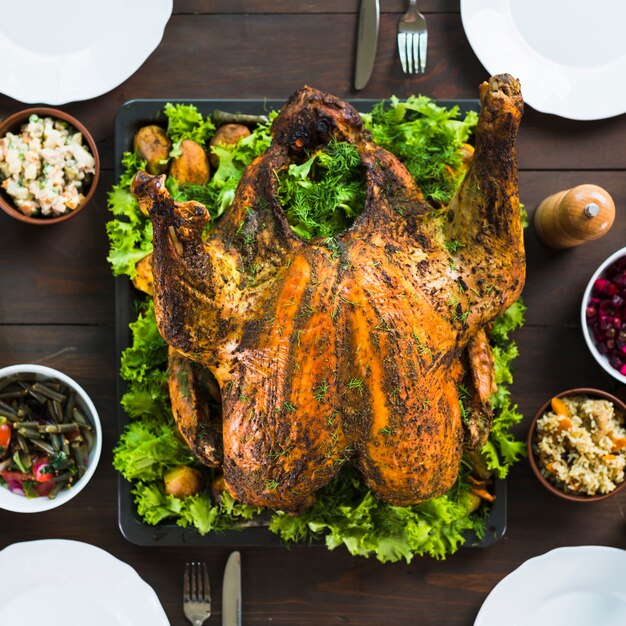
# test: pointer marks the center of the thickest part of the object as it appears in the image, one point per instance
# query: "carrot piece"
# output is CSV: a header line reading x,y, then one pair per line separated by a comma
x,y
550,468
483,493
476,481
608,457
559,407
618,443
565,423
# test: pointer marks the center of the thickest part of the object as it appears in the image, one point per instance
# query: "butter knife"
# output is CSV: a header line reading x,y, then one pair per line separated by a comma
x,y
369,17
231,591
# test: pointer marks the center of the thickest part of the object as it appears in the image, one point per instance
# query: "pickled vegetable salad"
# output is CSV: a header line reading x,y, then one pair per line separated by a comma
x,y
345,512
45,439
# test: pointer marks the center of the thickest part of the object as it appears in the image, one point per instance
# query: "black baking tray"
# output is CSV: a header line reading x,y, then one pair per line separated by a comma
x,y
133,115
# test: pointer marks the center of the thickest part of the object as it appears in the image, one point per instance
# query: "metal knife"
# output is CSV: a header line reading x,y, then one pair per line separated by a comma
x,y
369,17
231,591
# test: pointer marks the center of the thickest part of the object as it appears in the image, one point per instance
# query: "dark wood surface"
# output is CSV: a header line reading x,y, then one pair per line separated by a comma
x,y
57,308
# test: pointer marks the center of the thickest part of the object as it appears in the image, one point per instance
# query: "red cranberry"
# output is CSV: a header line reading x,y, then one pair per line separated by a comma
x,y
606,314
600,285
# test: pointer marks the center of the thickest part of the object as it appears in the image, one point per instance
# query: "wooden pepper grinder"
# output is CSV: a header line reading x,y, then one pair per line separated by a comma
x,y
571,217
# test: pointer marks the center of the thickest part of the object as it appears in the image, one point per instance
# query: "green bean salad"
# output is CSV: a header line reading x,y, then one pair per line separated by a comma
x,y
45,437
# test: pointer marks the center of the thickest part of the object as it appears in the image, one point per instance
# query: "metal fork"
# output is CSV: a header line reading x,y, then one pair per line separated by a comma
x,y
196,593
412,40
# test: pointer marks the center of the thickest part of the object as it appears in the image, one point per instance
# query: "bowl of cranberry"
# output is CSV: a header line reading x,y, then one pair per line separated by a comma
x,y
603,315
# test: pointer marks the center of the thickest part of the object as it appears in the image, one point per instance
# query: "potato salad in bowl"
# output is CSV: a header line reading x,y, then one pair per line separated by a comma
x,y
45,167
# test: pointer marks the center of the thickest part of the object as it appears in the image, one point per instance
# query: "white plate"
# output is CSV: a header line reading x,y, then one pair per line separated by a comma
x,y
55,582
579,586
60,51
569,55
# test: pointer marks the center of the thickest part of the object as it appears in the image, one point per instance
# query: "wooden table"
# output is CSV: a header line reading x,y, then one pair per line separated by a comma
x,y
57,309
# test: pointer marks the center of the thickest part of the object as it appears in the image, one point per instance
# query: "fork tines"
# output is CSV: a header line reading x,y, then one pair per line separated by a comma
x,y
196,593
412,49
196,586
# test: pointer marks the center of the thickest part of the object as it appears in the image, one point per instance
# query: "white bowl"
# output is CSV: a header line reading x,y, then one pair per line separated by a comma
x,y
600,358
21,504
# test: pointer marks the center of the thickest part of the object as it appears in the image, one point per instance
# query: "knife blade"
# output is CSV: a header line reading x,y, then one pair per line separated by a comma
x,y
231,591
369,17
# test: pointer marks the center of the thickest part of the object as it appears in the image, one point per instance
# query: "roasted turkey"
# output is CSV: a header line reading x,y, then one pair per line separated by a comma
x,y
350,348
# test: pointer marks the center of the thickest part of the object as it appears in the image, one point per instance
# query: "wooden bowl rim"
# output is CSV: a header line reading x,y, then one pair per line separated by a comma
x,y
19,117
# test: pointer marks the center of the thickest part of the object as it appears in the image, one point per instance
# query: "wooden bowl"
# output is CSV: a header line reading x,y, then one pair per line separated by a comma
x,y
12,124
582,391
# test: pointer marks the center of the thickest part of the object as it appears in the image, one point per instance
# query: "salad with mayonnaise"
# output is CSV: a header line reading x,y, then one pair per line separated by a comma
x,y
45,167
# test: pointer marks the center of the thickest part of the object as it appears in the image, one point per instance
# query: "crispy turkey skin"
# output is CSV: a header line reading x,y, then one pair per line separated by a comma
x,y
349,348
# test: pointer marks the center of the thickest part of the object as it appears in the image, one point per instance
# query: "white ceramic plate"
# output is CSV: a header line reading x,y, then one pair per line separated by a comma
x,y
578,586
569,55
60,51
55,582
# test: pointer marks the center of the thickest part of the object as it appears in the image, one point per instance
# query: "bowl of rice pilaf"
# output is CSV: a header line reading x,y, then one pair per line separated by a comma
x,y
577,445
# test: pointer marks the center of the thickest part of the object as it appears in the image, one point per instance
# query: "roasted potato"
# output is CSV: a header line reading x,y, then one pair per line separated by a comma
x,y
474,502
192,166
144,279
218,487
227,135
183,481
153,145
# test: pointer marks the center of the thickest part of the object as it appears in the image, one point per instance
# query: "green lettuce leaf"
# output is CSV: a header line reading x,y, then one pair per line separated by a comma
x,y
148,350
347,513
502,449
510,320
144,367
154,505
148,448
184,121
427,138
130,237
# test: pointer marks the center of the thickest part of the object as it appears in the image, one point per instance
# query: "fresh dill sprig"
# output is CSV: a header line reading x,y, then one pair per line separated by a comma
x,y
323,195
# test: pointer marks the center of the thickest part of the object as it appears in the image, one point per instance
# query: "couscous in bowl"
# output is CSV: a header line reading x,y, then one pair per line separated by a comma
x,y
577,445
